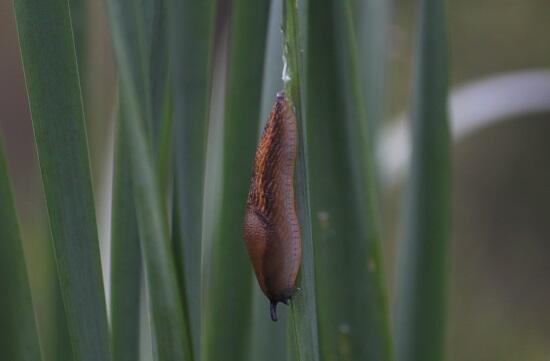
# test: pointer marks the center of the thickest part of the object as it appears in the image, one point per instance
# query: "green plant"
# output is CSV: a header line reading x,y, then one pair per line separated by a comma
x,y
181,176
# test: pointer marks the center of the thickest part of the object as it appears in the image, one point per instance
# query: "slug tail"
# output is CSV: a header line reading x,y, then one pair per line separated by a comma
x,y
273,309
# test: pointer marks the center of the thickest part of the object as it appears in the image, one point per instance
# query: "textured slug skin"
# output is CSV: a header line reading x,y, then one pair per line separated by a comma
x,y
271,230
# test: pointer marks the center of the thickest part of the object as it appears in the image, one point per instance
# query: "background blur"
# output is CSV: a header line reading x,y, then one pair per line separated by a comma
x,y
500,293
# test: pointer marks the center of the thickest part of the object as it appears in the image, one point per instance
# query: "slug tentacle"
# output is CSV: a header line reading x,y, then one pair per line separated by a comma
x,y
271,229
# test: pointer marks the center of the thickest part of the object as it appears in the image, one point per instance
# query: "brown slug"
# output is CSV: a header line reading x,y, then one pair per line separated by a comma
x,y
271,230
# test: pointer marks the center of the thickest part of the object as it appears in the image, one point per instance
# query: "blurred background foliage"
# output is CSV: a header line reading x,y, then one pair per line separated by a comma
x,y
499,292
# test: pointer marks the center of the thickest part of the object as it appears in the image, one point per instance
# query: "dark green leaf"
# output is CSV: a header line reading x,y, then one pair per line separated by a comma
x,y
47,49
372,21
422,276
268,339
160,86
304,314
353,317
79,22
227,270
125,252
18,334
190,39
126,255
166,306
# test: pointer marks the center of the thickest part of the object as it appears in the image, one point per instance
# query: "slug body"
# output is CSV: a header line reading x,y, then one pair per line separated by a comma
x,y
271,230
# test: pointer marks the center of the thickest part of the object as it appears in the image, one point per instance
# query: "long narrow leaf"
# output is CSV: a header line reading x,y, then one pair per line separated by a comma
x,y
190,39
61,345
125,252
422,282
167,317
371,19
304,313
160,85
268,340
353,316
163,289
126,256
79,21
48,53
228,271
131,35
18,335
176,239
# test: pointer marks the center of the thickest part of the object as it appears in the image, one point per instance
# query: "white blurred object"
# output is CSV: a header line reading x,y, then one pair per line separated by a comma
x,y
472,106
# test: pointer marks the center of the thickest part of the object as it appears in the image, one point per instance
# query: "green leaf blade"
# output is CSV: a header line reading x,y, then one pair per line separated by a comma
x,y
353,316
126,269
18,335
166,305
372,21
304,309
227,281
125,253
48,53
422,277
191,33
170,329
269,340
